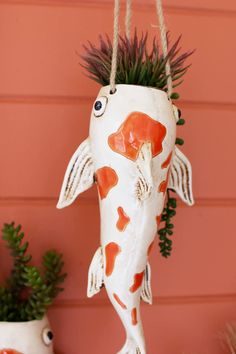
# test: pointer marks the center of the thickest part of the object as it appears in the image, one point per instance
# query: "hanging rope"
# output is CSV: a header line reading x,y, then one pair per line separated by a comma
x,y
115,46
116,38
128,18
164,44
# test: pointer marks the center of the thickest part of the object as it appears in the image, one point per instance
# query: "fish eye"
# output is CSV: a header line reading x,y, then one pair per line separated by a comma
x,y
47,336
100,106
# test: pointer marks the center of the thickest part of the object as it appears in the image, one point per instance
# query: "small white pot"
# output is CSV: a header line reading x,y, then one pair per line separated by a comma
x,y
32,337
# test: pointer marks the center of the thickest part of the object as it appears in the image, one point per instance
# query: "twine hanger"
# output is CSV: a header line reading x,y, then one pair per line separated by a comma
x,y
164,44
163,35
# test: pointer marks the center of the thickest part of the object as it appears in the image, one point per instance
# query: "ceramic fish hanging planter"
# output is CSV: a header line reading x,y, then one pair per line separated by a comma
x,y
132,157
31,337
131,154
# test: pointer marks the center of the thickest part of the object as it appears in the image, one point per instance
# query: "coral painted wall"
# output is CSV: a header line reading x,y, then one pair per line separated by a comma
x,y
45,104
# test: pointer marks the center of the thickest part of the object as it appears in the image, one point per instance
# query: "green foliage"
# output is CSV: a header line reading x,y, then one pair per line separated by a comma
x,y
28,292
167,231
169,211
179,141
136,65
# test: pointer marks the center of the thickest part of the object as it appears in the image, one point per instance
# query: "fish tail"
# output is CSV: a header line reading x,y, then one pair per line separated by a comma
x,y
135,343
128,309
130,347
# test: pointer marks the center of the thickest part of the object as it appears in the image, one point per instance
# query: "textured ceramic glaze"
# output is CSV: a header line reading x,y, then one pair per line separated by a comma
x,y
131,154
33,337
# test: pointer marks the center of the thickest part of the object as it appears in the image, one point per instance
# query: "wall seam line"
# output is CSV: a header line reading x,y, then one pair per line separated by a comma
x,y
37,201
76,100
157,300
183,10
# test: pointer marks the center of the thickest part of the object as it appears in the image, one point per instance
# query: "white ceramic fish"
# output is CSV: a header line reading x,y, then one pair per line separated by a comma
x,y
131,155
32,337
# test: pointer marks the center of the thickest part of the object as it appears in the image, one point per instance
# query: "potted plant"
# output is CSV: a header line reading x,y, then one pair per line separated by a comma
x,y
26,296
132,155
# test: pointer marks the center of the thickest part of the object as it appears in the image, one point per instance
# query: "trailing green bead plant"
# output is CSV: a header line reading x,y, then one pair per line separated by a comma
x,y
166,231
28,291
136,65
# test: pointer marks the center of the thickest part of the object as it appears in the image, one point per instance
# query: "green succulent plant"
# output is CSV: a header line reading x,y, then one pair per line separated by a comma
x,y
28,291
136,65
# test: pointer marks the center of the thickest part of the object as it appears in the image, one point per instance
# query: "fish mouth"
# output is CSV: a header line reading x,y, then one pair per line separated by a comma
x,y
9,351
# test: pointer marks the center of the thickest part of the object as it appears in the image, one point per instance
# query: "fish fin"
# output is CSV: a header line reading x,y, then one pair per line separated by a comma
x,y
176,112
79,175
144,181
96,273
181,177
146,292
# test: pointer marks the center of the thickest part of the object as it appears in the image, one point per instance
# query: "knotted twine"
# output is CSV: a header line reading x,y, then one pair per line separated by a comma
x,y
163,34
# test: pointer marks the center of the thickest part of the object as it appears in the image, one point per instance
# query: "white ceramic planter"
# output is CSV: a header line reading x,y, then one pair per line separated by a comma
x,y
32,337
131,154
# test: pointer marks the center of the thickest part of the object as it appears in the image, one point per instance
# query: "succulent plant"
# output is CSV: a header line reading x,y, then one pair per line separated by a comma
x,y
28,291
136,65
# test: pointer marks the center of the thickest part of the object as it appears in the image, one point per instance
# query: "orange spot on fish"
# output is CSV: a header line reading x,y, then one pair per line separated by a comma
x,y
137,129
118,300
164,184
150,248
123,219
158,220
111,251
106,179
9,351
138,279
167,161
134,316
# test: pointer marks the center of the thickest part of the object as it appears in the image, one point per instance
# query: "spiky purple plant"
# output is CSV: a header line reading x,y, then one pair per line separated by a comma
x,y
136,65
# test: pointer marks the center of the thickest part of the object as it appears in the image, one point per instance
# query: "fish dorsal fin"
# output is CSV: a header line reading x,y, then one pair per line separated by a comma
x,y
144,181
96,274
79,175
146,292
181,177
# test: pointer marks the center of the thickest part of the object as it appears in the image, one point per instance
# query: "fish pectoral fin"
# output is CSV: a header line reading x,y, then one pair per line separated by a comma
x,y
79,175
96,273
146,292
181,177
144,180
